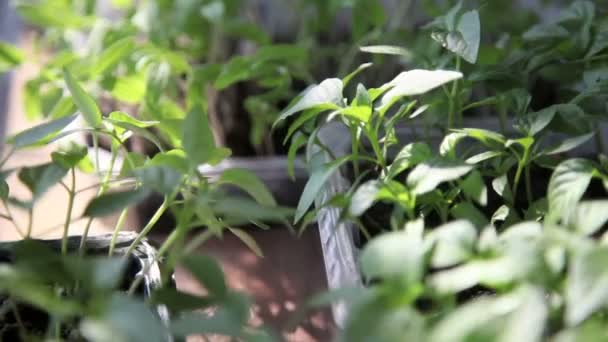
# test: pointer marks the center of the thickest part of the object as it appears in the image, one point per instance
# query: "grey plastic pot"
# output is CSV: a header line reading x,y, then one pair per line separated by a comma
x,y
143,257
340,252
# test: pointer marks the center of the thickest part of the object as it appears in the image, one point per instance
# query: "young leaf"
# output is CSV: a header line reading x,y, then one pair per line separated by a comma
x,y
567,185
428,175
327,94
85,103
502,188
387,50
247,240
71,156
38,133
249,182
207,271
346,80
409,156
416,82
108,203
394,254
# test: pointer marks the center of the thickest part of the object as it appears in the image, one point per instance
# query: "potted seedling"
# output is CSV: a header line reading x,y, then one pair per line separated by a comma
x,y
117,286
501,184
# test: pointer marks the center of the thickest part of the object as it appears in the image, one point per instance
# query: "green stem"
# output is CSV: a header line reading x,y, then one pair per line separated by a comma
x,y
175,236
528,185
96,147
520,167
354,149
102,189
30,219
502,117
452,112
117,230
144,232
12,219
599,141
7,156
68,216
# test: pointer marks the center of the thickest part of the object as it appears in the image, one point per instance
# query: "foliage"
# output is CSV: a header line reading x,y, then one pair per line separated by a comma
x,y
471,231
93,297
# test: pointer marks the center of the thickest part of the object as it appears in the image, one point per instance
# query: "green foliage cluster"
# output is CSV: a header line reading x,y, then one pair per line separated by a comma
x,y
472,232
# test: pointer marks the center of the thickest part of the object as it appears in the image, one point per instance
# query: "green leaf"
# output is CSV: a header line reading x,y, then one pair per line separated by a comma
x,y
567,185
502,188
428,175
38,179
416,82
388,50
546,32
314,185
327,94
162,179
409,156
221,322
297,142
486,137
248,240
463,40
590,216
46,14
394,254
363,197
346,80
207,271
197,137
10,57
449,143
130,88
527,321
587,285
532,123
175,159
4,190
110,202
249,182
177,301
240,211
85,103
119,117
453,243
468,211
474,187
568,144
39,133
112,55
70,156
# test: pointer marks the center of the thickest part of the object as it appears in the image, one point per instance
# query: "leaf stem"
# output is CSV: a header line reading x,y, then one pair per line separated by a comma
x,y
103,187
528,185
144,232
117,230
68,216
30,219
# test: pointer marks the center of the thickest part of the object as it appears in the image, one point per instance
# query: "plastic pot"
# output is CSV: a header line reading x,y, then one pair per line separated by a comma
x,y
144,256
